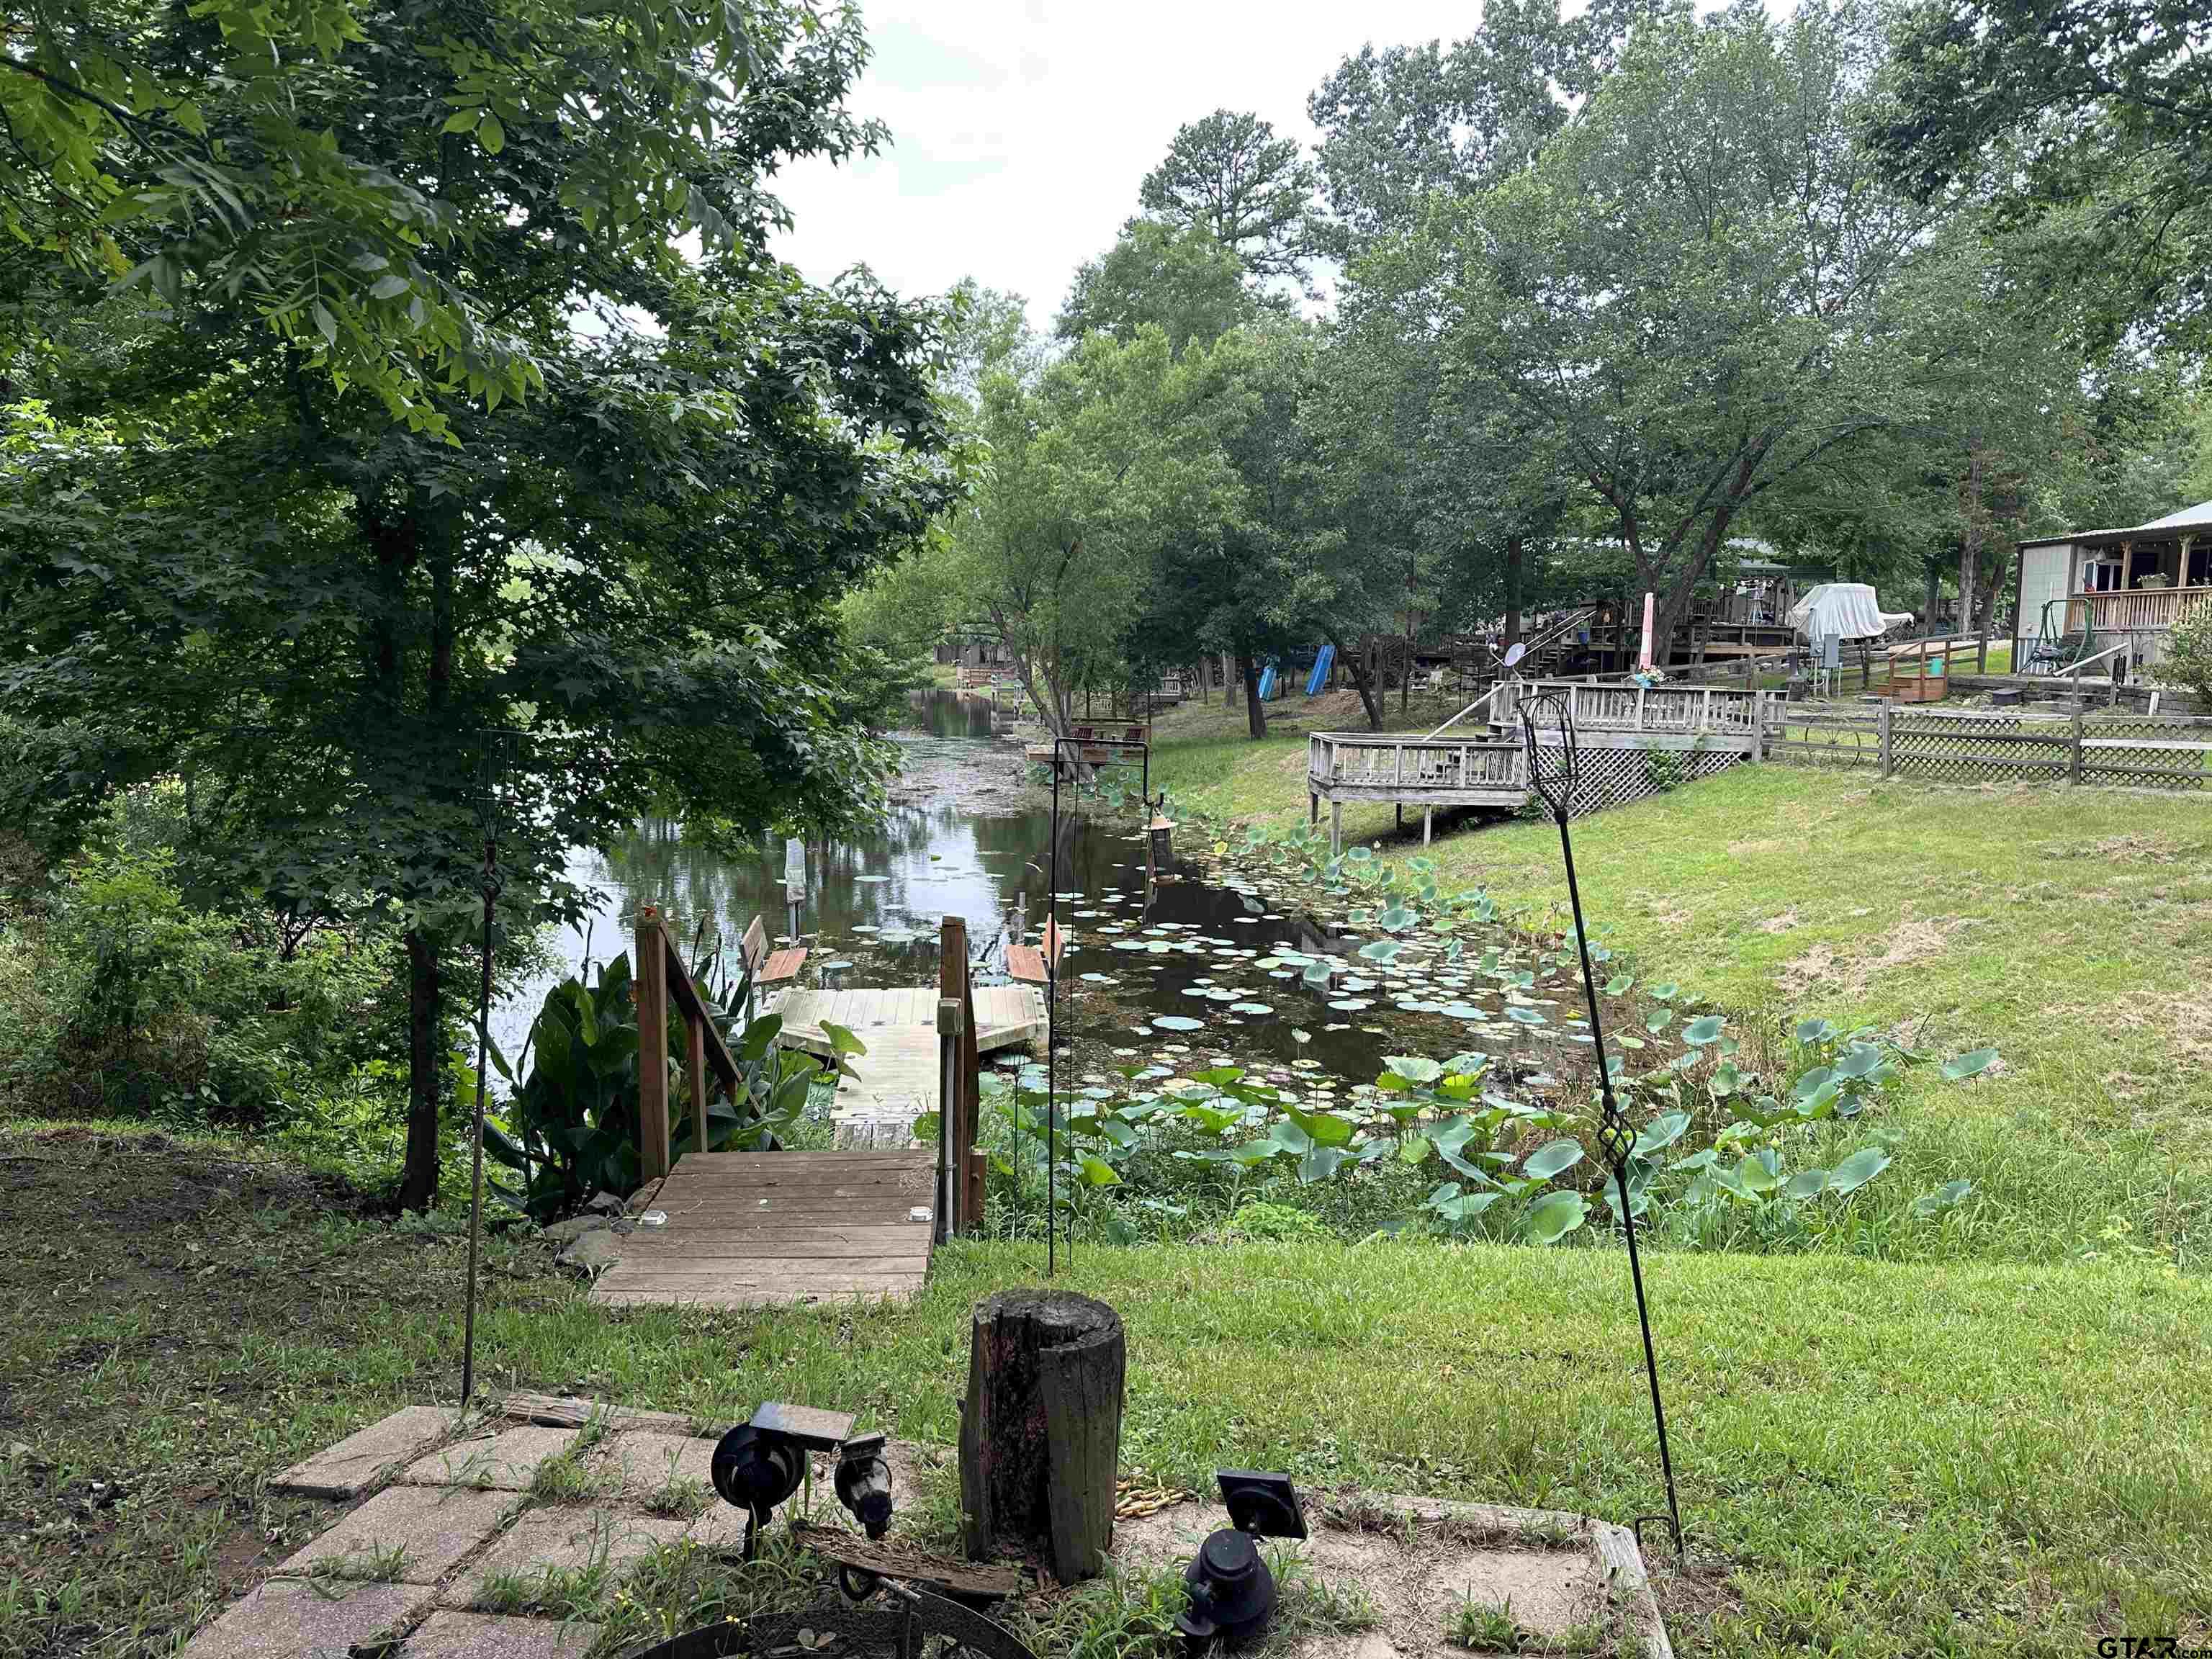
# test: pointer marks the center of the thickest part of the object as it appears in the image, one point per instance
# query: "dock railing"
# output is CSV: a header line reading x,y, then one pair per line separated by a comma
x,y
1713,716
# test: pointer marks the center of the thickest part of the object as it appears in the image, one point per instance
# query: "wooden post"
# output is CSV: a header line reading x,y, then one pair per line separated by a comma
x,y
695,1043
1335,828
1426,811
1757,725
945,1222
1055,1362
1883,747
960,1109
2073,761
651,987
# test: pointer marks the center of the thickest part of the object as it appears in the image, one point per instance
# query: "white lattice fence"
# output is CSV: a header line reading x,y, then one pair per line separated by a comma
x,y
1978,748
1614,777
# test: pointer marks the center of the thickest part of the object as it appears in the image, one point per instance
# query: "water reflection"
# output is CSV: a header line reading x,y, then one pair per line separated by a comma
x,y
872,902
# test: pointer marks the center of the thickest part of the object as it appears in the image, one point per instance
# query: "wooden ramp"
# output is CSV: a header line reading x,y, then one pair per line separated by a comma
x,y
898,1081
747,1229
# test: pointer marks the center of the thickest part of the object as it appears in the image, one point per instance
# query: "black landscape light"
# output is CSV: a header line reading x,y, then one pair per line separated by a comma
x,y
1547,722
864,1483
757,1465
1231,1591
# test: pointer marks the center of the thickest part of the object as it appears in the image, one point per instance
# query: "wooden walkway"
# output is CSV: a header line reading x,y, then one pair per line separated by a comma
x,y
898,1080
747,1229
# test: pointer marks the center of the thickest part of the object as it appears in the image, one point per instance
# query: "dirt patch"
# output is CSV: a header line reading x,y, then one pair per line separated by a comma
x,y
1383,1578
2184,1023
1781,923
1820,967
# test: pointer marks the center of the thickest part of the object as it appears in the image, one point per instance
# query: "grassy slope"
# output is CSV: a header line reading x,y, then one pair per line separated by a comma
x,y
1876,1459
2067,927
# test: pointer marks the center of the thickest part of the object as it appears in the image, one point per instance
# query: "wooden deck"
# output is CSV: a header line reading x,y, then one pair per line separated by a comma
x,y
898,1080
747,1229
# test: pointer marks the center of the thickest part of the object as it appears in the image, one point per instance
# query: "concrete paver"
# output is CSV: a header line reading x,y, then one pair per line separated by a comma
x,y
305,1620
416,1535
566,1541
359,1460
505,1461
449,1635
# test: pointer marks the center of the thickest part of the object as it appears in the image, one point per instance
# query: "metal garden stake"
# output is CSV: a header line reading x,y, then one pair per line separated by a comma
x,y
1547,723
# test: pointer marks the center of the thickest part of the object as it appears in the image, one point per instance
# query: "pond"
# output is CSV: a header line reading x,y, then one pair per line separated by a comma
x,y
1196,964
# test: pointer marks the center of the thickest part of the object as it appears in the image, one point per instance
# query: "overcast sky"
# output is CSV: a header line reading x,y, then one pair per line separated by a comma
x,y
1020,129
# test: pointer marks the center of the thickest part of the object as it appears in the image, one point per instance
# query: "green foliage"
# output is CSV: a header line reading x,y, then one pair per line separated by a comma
x,y
2188,652
122,995
570,1128
1228,175
2089,122
349,183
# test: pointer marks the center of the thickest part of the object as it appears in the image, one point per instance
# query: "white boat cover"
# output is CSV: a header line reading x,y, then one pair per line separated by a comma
x,y
1844,611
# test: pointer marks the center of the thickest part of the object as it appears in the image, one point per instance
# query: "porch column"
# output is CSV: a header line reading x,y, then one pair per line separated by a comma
x,y
2181,572
2127,565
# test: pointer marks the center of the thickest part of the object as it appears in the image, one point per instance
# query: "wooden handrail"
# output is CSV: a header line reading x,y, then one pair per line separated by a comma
x,y
661,973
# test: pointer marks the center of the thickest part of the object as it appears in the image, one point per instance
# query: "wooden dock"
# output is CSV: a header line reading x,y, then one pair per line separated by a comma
x,y
742,1229
898,1080
749,1229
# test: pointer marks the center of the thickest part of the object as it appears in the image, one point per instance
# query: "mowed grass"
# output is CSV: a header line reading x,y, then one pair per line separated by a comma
x,y
1874,1459
2068,928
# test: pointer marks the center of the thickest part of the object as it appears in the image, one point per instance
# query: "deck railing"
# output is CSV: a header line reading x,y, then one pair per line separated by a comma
x,y
1714,710
2137,610
1381,761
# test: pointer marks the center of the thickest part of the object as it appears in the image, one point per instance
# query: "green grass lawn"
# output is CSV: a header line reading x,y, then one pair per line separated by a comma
x,y
1874,1459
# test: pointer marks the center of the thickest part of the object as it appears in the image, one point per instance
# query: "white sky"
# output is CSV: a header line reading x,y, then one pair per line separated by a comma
x,y
1020,129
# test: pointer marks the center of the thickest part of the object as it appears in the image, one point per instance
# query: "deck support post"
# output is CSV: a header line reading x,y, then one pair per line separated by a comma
x,y
1336,829
1426,812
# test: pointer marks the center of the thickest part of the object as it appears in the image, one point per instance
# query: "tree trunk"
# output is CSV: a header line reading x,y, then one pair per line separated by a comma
x,y
1969,543
1516,556
418,1179
1041,1430
1256,712
1359,679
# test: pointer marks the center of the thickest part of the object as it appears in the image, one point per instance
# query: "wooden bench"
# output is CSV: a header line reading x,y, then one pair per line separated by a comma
x,y
1027,963
767,967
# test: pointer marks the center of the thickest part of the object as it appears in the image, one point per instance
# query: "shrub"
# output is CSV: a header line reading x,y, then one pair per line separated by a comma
x,y
2188,652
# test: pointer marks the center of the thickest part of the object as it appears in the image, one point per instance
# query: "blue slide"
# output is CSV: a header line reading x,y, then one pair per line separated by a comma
x,y
1319,677
1266,682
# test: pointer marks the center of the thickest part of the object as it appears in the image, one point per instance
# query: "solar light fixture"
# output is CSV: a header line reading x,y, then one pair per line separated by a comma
x,y
1231,1591
864,1483
759,1464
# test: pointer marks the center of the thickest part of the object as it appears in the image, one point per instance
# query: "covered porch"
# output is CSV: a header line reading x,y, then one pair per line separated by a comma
x,y
2125,588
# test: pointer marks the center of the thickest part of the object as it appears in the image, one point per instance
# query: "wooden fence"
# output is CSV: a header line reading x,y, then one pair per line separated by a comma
x,y
2141,751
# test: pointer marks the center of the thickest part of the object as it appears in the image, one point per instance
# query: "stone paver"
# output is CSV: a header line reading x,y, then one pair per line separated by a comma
x,y
449,1635
358,1462
414,1533
566,1541
307,1621
653,1465
500,1462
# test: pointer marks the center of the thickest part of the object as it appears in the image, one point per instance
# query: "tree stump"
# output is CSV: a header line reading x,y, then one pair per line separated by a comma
x,y
1041,1430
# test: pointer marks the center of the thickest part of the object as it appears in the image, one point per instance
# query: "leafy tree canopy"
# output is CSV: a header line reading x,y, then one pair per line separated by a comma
x,y
2088,123
352,175
1229,175
1180,281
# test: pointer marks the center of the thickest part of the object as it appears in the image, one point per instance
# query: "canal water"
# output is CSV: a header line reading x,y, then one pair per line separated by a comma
x,y
968,835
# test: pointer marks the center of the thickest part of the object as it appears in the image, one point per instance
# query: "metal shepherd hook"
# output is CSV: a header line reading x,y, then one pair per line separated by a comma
x,y
1548,725
492,884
